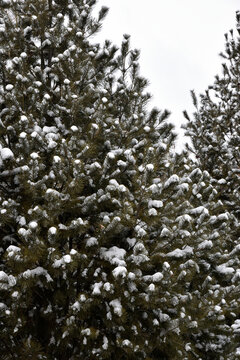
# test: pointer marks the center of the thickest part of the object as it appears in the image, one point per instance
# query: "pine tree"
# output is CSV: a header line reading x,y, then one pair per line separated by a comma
x,y
215,129
199,297
110,244
215,137
78,150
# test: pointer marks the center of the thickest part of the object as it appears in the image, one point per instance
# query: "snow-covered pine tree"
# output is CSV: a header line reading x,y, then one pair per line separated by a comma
x,y
197,298
78,152
215,134
105,235
215,128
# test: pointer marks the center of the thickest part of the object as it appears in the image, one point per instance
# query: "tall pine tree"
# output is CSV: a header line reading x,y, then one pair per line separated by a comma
x,y
78,150
215,129
111,246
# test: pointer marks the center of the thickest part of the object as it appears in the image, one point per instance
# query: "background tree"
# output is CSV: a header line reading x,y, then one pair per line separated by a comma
x,y
215,129
215,137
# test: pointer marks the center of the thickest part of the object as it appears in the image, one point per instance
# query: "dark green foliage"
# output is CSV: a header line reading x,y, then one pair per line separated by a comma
x,y
215,129
215,134
111,245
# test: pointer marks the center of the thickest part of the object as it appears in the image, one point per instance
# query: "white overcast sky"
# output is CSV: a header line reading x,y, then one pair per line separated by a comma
x,y
179,41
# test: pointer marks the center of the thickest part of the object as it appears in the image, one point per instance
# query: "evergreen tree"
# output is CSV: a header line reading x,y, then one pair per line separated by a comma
x,y
77,153
111,246
194,238
215,129
215,137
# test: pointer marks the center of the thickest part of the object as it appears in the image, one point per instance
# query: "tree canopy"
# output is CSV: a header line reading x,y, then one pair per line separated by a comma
x,y
112,246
